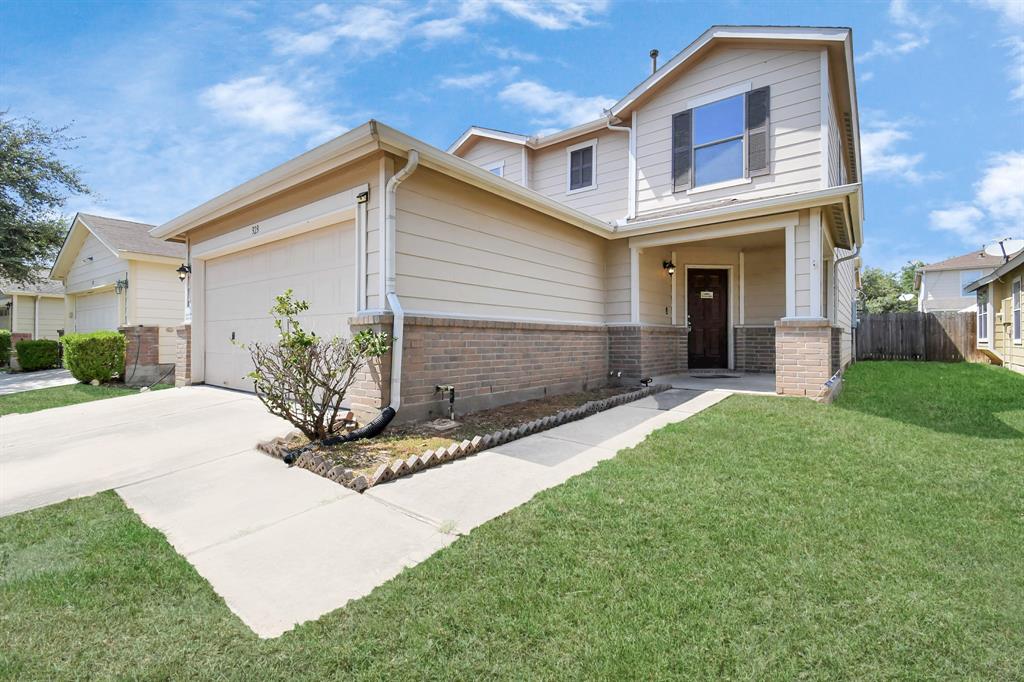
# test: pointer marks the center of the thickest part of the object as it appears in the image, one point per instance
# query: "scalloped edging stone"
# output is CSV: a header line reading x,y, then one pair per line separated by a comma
x,y
398,468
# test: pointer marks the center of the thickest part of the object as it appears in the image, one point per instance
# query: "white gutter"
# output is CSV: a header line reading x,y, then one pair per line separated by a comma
x,y
631,199
390,231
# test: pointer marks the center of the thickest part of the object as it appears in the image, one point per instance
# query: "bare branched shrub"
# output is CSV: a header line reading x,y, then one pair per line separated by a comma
x,y
302,377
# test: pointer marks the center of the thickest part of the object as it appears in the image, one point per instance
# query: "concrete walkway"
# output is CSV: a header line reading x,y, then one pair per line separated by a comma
x,y
29,381
283,546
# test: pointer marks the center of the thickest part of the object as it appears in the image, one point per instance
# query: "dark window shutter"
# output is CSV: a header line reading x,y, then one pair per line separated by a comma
x,y
682,150
758,153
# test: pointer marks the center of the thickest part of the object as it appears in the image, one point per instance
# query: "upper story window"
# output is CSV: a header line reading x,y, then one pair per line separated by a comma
x,y
582,171
718,141
966,277
721,141
498,168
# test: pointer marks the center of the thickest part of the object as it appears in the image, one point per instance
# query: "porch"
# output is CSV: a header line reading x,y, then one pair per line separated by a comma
x,y
759,303
757,383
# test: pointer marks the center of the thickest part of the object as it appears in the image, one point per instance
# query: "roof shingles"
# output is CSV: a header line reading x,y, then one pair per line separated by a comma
x,y
125,235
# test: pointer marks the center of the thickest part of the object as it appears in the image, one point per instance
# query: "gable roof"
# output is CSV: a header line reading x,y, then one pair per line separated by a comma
x,y
124,239
1012,264
974,260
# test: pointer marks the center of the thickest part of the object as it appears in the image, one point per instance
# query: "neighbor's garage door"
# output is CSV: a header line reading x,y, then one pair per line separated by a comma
x,y
241,287
96,312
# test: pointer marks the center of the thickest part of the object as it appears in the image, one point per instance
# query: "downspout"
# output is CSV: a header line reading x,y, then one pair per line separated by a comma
x,y
390,231
631,199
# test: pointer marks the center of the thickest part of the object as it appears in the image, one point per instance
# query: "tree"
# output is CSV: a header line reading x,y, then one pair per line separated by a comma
x,y
303,377
889,292
34,184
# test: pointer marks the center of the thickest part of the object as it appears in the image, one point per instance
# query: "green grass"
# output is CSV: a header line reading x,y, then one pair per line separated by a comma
x,y
878,538
59,396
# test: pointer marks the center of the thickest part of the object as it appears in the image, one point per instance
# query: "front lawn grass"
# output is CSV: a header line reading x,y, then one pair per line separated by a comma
x,y
765,538
59,396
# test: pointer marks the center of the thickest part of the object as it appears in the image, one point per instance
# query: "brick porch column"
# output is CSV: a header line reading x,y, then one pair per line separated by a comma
x,y
803,356
183,356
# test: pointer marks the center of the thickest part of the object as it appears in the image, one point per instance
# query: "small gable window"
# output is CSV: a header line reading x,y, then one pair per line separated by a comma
x,y
582,166
498,168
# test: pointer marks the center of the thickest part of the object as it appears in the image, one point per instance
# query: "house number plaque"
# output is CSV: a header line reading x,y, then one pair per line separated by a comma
x,y
707,294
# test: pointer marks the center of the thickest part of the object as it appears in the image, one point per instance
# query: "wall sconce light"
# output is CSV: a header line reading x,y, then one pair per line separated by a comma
x,y
121,285
670,266
183,272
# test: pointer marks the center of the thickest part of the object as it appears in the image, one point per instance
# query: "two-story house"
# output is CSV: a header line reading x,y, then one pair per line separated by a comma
x,y
943,286
710,219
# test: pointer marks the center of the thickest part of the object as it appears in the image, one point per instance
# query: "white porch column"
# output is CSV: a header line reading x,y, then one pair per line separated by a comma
x,y
634,285
790,270
816,263
197,283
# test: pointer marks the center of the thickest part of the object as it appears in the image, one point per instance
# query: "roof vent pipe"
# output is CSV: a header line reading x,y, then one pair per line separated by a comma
x,y
654,61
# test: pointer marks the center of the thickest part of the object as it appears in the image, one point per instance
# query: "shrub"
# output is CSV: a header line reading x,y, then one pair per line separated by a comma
x,y
303,377
5,346
38,354
98,355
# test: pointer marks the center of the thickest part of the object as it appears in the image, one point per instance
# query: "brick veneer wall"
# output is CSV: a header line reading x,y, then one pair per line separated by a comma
x,y
490,363
836,344
803,351
663,350
755,348
143,345
183,356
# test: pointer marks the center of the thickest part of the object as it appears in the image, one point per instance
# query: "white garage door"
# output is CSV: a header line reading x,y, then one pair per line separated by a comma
x,y
318,266
96,312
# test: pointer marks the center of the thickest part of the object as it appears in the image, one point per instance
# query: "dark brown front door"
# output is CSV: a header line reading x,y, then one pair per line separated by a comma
x,y
707,296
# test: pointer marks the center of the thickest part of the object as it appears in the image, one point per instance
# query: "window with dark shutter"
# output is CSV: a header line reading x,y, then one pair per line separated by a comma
x,y
758,105
682,150
581,168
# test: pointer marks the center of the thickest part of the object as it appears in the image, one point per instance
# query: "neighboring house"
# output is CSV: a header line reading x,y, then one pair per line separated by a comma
x,y
711,219
115,274
943,285
32,310
999,300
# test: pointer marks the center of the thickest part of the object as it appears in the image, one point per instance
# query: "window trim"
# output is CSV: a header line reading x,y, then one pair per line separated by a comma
x,y
711,98
983,315
568,167
496,166
1016,324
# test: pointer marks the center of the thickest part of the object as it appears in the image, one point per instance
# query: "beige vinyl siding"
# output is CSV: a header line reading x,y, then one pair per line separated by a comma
x,y
655,286
764,291
1012,353
795,80
51,317
941,291
486,152
836,165
104,269
24,314
463,251
617,282
549,175
374,171
844,287
157,297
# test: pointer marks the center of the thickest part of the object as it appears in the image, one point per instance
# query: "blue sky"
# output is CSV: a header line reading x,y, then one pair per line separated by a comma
x,y
177,102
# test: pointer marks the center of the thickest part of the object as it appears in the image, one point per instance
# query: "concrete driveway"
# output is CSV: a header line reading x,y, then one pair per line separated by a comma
x,y
57,454
29,381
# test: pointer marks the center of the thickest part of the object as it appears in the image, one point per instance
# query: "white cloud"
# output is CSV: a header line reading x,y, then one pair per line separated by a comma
x,y
511,54
1011,11
555,15
913,33
880,156
866,76
553,107
371,29
998,207
478,80
268,106
1015,68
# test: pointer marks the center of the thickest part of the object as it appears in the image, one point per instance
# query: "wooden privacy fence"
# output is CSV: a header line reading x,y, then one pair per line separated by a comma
x,y
939,337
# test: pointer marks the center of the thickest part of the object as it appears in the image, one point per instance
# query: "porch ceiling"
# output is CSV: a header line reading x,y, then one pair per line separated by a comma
x,y
755,240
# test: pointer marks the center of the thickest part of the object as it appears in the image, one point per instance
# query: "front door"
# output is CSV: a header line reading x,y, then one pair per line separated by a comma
x,y
707,296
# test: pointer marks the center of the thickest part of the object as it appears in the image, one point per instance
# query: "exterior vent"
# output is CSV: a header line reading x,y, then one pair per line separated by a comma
x,y
851,155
